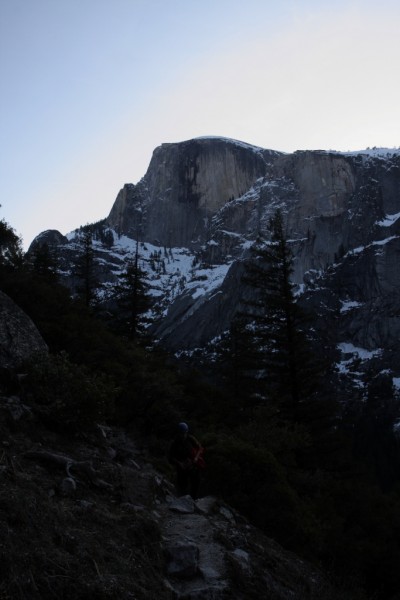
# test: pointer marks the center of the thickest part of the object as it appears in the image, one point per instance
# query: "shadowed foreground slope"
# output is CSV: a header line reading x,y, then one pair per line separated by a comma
x,y
89,516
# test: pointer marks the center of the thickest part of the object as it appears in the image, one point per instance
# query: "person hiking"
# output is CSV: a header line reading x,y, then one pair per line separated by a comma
x,y
186,454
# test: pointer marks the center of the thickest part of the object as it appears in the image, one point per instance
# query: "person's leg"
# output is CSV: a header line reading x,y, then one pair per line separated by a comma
x,y
182,482
194,483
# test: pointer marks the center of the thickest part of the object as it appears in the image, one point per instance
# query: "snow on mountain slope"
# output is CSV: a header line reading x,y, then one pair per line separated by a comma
x,y
203,202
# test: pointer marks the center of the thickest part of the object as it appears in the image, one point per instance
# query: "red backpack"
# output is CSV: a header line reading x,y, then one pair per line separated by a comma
x,y
197,457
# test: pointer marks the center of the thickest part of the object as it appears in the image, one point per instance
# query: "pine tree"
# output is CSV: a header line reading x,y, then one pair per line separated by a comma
x,y
11,254
374,428
131,293
286,367
44,263
84,270
232,371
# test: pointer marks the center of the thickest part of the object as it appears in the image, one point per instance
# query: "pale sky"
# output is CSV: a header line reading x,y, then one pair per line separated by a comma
x,y
90,87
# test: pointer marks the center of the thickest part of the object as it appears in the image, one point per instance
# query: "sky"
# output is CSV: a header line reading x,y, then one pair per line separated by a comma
x,y
89,88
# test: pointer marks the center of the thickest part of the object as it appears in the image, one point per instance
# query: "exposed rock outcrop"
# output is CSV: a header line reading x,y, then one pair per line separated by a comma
x,y
51,237
192,322
359,300
212,553
19,337
185,186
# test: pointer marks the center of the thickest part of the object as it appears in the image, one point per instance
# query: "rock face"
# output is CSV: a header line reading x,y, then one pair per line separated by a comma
x,y
361,300
342,219
51,237
19,338
340,202
207,192
184,188
212,197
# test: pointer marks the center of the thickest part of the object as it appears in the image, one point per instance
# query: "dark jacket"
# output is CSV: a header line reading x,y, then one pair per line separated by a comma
x,y
182,450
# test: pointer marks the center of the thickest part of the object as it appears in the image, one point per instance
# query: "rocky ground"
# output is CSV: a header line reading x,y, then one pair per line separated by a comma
x,y
89,516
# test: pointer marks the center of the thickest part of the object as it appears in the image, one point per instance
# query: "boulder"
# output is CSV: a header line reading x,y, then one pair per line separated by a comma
x,y
19,337
182,559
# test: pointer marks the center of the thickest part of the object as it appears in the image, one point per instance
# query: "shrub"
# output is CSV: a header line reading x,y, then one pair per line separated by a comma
x,y
68,396
256,484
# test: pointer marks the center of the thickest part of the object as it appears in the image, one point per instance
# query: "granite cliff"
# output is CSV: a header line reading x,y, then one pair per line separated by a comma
x,y
209,191
184,188
204,201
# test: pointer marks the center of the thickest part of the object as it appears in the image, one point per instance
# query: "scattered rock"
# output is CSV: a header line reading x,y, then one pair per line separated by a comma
x,y
16,409
85,504
206,505
67,487
225,512
184,505
182,560
241,560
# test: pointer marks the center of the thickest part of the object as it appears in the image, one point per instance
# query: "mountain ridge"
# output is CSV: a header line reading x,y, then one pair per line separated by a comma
x,y
211,197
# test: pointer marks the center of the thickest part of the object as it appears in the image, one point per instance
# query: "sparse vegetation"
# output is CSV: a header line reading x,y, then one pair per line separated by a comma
x,y
306,482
